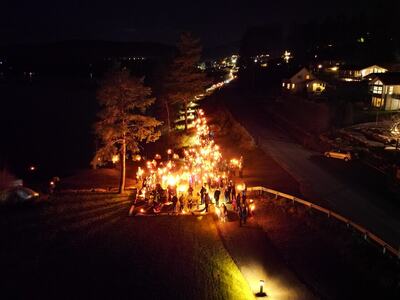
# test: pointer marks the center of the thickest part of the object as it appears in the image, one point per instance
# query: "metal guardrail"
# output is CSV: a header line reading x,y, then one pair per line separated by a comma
x,y
366,233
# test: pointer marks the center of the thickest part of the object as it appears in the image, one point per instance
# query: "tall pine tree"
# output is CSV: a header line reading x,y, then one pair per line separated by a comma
x,y
122,124
185,80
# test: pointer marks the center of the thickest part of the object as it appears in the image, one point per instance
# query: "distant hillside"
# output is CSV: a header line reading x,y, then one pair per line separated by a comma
x,y
221,51
84,50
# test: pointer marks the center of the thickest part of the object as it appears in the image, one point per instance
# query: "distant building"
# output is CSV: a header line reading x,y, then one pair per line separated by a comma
x,y
330,67
385,91
315,86
302,81
358,73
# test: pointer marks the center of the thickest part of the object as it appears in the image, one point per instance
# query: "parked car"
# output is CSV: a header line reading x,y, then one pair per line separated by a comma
x,y
339,154
19,194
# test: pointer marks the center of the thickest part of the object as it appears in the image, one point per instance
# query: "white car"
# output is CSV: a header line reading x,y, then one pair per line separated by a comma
x,y
19,194
345,155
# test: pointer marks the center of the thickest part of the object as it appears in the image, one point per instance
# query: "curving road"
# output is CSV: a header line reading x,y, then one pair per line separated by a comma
x,y
351,189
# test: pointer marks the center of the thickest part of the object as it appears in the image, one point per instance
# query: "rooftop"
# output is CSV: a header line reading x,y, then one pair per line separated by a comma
x,y
389,78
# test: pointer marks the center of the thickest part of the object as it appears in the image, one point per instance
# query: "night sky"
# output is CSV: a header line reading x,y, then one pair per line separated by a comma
x,y
215,22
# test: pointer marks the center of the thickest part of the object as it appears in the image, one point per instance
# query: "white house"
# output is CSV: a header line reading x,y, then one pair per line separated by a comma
x,y
357,73
385,91
303,80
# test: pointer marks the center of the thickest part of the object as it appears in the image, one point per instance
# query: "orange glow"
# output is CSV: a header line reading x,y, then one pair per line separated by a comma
x,y
240,187
201,163
115,158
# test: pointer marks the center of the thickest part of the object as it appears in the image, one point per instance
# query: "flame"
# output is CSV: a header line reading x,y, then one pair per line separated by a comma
x,y
201,163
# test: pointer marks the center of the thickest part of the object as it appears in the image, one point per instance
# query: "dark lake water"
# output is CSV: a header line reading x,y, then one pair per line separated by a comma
x,y
48,124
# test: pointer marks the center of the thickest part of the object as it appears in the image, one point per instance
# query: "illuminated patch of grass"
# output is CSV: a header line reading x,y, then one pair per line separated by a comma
x,y
214,267
164,257
187,253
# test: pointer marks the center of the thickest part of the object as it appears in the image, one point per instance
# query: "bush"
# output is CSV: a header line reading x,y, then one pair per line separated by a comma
x,y
227,125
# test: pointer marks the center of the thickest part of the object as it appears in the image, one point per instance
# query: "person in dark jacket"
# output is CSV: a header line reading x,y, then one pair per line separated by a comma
x,y
217,193
233,192
207,201
227,195
242,215
224,213
244,197
238,201
202,193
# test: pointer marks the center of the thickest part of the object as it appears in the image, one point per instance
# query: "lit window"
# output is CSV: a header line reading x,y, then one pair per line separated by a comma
x,y
283,84
377,89
293,85
307,76
390,90
377,102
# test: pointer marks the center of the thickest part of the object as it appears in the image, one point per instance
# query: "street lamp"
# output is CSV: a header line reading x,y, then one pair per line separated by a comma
x,y
261,293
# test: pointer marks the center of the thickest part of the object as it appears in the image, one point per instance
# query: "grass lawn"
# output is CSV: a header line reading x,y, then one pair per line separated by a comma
x,y
333,260
87,246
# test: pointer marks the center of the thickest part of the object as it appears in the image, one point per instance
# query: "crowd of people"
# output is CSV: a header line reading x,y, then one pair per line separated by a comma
x,y
194,179
197,198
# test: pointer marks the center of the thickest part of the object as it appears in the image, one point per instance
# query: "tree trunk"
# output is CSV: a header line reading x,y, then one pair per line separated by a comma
x,y
168,116
123,168
186,120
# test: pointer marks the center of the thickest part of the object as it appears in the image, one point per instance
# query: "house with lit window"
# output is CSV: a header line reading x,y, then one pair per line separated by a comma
x,y
315,86
358,73
303,81
385,91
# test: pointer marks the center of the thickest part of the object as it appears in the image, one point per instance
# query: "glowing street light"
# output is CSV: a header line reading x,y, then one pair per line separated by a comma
x,y
261,293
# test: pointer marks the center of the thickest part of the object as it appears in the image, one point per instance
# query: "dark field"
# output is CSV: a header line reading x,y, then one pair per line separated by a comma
x,y
332,260
86,246
47,123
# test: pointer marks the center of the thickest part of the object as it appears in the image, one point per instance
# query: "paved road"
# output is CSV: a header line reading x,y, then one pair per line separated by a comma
x,y
351,189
